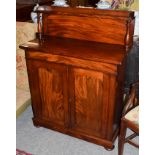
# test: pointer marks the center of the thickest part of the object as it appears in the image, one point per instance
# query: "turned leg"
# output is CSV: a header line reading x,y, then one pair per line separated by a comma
x,y
121,138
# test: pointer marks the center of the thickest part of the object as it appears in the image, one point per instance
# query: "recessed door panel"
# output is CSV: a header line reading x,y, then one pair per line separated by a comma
x,y
52,89
89,104
51,92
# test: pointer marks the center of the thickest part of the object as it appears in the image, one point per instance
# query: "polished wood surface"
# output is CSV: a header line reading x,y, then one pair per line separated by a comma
x,y
87,89
74,91
51,87
87,50
76,83
90,24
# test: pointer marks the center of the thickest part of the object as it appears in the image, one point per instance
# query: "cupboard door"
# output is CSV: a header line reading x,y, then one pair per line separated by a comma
x,y
89,101
48,84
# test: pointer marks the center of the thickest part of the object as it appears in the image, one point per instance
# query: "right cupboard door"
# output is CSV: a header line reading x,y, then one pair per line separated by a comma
x,y
89,97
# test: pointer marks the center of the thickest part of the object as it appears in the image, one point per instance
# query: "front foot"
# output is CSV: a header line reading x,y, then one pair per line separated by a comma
x,y
110,149
37,126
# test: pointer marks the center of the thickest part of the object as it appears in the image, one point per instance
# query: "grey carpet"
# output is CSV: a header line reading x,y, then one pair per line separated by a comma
x,y
41,141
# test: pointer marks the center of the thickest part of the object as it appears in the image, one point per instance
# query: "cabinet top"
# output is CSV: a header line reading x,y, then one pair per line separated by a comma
x,y
87,50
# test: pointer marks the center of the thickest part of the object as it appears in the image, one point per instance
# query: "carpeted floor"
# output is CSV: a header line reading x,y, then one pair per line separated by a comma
x,y
21,152
41,141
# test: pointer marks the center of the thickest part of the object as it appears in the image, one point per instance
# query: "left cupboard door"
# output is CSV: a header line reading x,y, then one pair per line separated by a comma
x,y
48,86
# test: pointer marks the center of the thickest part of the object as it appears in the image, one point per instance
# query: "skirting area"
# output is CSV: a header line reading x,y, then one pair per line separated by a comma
x,y
41,141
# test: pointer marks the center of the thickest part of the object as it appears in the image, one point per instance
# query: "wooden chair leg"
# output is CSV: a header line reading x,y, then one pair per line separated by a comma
x,y
121,138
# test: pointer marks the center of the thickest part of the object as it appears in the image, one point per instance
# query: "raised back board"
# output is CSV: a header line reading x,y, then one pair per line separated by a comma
x,y
108,26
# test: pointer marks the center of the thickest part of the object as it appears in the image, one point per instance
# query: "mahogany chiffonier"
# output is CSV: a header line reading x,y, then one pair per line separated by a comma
x,y
76,72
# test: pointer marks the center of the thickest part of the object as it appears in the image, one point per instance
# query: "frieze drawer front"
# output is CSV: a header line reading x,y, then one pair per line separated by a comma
x,y
77,81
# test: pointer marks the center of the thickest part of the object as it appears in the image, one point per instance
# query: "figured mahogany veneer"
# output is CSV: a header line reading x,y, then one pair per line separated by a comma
x,y
108,26
76,73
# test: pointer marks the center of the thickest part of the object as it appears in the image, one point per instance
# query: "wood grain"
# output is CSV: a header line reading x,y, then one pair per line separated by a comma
x,y
76,72
110,68
88,90
87,50
90,24
49,91
95,29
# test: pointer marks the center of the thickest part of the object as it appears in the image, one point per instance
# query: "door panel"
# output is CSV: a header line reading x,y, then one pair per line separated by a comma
x,y
88,110
50,84
51,90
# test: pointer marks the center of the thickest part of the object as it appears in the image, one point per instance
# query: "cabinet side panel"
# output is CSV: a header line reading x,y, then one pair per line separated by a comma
x,y
119,96
112,105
